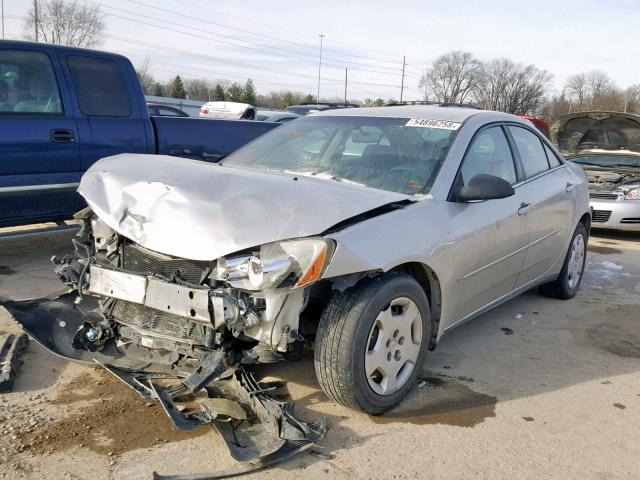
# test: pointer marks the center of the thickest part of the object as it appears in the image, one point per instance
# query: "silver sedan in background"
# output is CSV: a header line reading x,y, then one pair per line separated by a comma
x,y
369,232
607,146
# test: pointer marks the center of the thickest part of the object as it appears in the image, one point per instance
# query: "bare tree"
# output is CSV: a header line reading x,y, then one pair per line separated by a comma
x,y
65,22
199,89
632,99
451,77
506,86
576,87
146,78
599,85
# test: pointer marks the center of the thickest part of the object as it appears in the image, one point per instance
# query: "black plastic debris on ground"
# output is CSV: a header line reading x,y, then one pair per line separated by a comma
x,y
11,345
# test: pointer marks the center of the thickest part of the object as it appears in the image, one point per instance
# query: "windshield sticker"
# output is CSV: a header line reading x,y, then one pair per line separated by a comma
x,y
426,123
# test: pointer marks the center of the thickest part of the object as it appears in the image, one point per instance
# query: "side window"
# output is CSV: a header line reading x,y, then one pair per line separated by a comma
x,y
28,84
552,157
534,160
99,87
489,154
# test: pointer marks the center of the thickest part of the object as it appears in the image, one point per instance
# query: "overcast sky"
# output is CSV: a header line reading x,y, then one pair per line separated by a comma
x,y
276,43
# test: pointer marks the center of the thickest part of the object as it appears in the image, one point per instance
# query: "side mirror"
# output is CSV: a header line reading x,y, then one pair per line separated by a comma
x,y
484,187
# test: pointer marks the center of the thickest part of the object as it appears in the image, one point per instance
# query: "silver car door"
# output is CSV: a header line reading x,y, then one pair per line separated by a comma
x,y
546,203
487,238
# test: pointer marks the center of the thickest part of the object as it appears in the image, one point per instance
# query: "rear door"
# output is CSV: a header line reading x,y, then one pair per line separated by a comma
x,y
40,160
489,241
110,118
547,204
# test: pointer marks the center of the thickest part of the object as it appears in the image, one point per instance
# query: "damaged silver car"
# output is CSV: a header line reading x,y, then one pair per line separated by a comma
x,y
607,146
365,233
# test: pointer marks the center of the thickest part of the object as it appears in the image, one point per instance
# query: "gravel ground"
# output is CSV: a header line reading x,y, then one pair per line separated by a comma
x,y
537,388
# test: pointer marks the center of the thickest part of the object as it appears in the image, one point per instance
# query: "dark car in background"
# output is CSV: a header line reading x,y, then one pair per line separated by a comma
x,y
307,108
159,110
278,116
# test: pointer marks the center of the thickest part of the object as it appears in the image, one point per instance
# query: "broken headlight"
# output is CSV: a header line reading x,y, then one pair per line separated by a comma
x,y
633,194
284,264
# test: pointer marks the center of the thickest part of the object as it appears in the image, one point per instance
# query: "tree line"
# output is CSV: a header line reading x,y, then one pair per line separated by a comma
x,y
504,85
217,90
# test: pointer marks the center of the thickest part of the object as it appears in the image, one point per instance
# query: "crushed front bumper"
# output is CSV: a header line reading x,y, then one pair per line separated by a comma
x,y
258,429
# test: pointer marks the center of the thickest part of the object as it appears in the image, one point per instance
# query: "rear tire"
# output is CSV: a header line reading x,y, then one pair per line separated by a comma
x,y
568,282
371,342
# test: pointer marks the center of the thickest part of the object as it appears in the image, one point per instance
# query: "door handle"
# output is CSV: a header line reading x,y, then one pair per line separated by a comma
x,y
570,186
62,136
524,208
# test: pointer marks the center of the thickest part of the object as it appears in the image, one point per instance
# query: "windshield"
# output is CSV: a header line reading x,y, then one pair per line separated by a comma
x,y
608,161
375,152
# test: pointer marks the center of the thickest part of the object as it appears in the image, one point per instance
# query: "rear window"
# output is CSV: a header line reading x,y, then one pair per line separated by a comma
x,y
534,160
553,159
99,87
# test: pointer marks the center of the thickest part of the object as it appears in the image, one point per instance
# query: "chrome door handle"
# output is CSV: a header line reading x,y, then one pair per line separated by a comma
x,y
570,186
524,208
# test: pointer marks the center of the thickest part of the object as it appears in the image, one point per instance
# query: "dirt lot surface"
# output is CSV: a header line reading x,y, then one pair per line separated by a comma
x,y
537,388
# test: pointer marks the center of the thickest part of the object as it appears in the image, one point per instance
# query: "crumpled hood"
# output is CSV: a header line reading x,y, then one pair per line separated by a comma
x,y
203,211
586,133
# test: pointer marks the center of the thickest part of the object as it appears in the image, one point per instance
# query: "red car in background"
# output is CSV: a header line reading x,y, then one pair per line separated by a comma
x,y
540,125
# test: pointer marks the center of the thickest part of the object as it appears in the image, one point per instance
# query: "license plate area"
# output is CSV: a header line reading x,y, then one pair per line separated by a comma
x,y
151,292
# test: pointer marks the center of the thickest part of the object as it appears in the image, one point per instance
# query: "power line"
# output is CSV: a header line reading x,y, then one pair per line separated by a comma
x,y
182,2
235,29
232,62
190,33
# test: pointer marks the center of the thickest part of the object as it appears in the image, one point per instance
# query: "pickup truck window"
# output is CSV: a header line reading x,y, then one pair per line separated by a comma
x,y
28,84
99,87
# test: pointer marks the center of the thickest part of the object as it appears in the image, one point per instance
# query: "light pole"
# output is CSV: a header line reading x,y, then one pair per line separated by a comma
x,y
319,67
2,4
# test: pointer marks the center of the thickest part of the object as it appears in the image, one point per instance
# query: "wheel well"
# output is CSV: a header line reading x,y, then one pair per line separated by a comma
x,y
428,280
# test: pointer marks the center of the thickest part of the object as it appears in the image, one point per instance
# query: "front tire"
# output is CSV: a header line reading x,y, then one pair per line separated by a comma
x,y
568,282
371,342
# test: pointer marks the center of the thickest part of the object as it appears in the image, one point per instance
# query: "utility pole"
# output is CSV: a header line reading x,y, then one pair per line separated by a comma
x,y
346,73
2,4
35,13
319,67
404,62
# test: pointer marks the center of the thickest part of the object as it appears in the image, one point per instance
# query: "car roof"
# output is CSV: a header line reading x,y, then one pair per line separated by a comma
x,y
434,112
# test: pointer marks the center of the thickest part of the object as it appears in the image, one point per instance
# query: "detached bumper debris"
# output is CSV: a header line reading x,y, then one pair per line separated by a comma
x,y
11,346
258,428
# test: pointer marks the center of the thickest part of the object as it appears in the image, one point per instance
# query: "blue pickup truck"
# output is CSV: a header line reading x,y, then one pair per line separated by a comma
x,y
61,109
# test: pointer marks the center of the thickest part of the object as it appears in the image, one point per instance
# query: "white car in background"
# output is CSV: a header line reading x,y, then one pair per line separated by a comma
x,y
607,146
228,111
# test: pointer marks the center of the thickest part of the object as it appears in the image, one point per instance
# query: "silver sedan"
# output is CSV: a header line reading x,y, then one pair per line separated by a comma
x,y
367,232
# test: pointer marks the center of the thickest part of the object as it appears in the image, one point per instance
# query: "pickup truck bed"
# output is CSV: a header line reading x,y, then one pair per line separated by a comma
x,y
62,109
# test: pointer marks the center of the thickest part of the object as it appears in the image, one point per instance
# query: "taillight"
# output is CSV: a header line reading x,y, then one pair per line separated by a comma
x,y
204,110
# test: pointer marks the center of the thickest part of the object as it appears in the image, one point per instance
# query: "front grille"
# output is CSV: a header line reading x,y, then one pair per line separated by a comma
x,y
601,216
603,195
630,220
140,260
164,324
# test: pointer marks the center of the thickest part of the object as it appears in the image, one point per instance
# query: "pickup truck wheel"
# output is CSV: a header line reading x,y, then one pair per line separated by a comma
x,y
371,342
568,282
